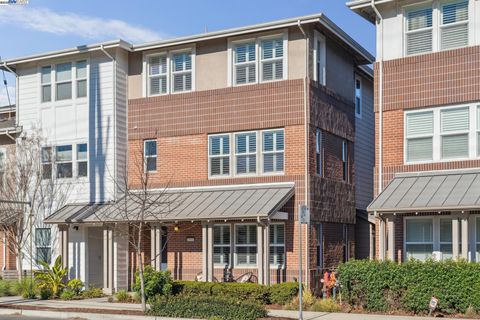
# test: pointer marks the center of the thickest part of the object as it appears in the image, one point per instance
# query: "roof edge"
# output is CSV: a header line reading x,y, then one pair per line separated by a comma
x,y
437,173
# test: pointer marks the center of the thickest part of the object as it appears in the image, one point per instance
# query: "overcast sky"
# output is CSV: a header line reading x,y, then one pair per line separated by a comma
x,y
46,25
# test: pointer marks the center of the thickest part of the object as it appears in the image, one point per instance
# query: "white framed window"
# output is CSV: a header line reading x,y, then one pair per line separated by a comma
x,y
277,245
271,59
81,78
319,152
219,155
419,136
446,246
418,238
43,243
82,160
63,161
320,59
273,146
46,158
454,127
245,63
319,230
181,72
246,153
221,245
157,75
150,155
358,96
46,80
345,162
246,245
63,81
439,25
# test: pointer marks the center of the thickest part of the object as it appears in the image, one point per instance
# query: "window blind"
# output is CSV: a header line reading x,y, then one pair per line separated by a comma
x,y
455,146
455,120
219,154
419,37
273,146
272,59
182,75
246,148
245,63
158,75
454,32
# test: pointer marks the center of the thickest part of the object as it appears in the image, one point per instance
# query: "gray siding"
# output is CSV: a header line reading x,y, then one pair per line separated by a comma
x,y
339,70
121,119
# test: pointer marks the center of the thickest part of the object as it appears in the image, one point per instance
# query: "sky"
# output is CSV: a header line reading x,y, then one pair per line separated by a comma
x,y
47,25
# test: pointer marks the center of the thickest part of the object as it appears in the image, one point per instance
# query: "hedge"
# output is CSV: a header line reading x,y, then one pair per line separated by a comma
x,y
278,293
388,286
205,307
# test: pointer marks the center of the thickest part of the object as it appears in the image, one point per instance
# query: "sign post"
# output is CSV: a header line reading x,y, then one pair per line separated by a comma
x,y
303,218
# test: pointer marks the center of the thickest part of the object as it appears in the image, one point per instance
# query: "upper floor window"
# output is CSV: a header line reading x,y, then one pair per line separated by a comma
x,y
428,30
345,173
46,79
273,151
63,81
46,158
157,75
319,74
82,160
63,159
59,161
442,134
246,152
219,155
69,81
150,155
81,75
358,97
319,152
182,72
258,60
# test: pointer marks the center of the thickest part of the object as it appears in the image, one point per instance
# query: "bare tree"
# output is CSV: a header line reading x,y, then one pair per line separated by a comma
x,y
28,194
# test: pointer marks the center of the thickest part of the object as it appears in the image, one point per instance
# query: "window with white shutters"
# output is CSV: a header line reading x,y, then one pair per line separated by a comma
x,y
246,245
419,136
273,146
63,160
419,30
319,152
157,75
246,153
454,25
277,245
245,63
81,78
221,245
272,59
455,127
63,78
219,155
150,155
181,72
46,79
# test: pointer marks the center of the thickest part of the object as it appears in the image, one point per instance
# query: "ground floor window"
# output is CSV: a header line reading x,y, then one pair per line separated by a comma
x,y
221,245
246,245
477,238
319,230
419,238
43,245
277,245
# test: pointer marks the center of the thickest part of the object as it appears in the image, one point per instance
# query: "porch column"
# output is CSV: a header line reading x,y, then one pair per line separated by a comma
x,y
156,247
455,238
382,240
391,238
371,242
63,241
207,252
108,260
260,256
266,253
464,249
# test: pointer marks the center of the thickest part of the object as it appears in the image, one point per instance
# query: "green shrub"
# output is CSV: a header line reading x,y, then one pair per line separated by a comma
x,y
76,285
326,305
92,292
205,307
25,288
51,277
122,296
68,294
45,293
7,288
387,286
308,299
282,293
156,282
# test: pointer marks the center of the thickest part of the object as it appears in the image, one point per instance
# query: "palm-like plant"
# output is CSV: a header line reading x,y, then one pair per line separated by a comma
x,y
51,277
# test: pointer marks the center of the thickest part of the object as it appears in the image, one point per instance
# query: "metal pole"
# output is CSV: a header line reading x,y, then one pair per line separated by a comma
x,y
300,302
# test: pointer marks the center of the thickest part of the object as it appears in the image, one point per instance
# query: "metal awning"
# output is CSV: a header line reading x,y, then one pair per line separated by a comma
x,y
454,190
184,204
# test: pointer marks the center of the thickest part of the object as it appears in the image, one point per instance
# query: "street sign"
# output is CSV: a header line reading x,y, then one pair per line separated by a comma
x,y
304,214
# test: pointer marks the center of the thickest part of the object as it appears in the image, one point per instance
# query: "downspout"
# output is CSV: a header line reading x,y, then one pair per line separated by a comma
x,y
307,127
114,90
16,92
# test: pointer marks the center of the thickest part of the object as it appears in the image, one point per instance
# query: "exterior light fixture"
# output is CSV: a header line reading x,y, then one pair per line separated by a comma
x,y
176,228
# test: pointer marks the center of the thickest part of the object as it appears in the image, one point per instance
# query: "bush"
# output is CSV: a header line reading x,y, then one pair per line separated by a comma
x,y
45,293
205,307
92,293
156,282
122,296
387,286
7,288
76,285
68,294
51,277
326,305
25,288
282,293
308,299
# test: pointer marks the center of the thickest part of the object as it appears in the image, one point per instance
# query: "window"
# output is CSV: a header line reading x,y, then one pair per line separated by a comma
x,y
273,151
219,155
419,238
272,59
454,25
157,75
345,171
346,248
358,97
419,136
246,152
419,30
277,245
63,158
3,166
320,59
63,76
81,75
319,229
319,152
182,72
46,157
82,160
455,126
221,245
46,79
43,245
446,238
150,155
245,63
246,245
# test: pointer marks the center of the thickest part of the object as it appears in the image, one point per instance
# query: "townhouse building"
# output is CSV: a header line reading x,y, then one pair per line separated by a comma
x,y
427,113
235,130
